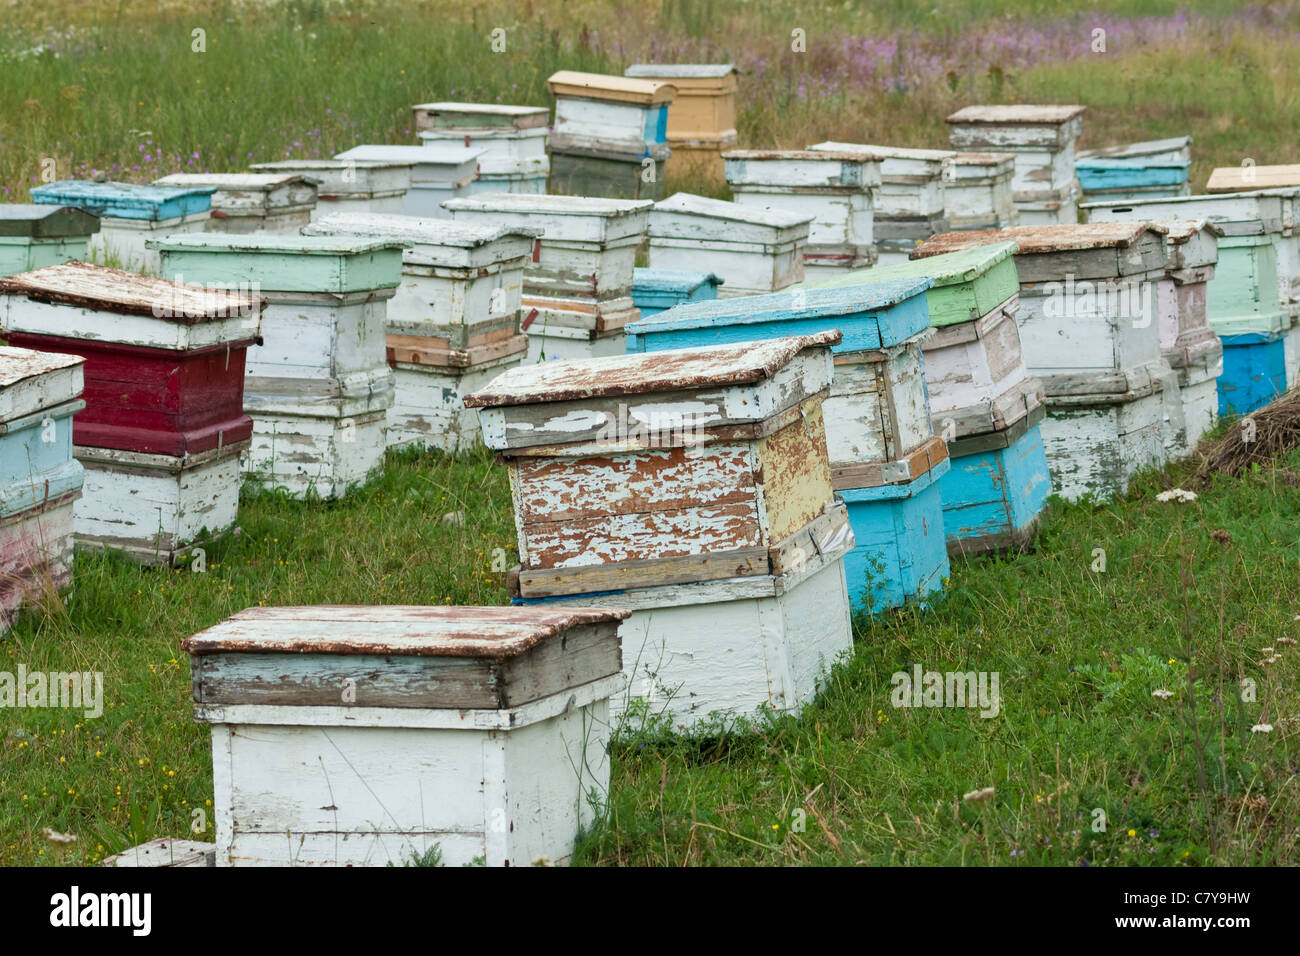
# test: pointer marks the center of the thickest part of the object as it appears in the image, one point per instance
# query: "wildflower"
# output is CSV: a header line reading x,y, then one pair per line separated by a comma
x,y
1262,729
1176,494
1162,694
1288,641
54,836
978,795
1132,833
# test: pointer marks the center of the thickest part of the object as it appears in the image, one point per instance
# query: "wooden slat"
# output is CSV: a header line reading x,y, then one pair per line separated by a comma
x,y
551,582
904,470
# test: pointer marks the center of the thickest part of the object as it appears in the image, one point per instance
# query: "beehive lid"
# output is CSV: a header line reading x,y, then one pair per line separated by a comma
x,y
425,155
857,312
19,366
483,115
670,71
258,242
38,221
603,87
688,204
950,268
1026,114
416,229
235,182
814,155
1036,240
1233,179
640,374
328,166
100,289
549,205
127,200
1181,230
671,280
394,630
1138,151
885,152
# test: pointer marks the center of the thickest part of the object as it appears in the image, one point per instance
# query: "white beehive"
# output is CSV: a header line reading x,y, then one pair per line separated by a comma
x,y
752,250
513,140
578,286
978,193
440,172
349,186
279,203
366,736
837,188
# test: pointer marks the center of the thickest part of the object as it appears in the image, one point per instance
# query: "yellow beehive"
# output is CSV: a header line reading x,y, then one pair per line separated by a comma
x,y
702,120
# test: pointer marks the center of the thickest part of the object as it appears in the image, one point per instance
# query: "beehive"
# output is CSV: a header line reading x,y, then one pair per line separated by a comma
x,y
610,136
694,478
161,458
365,736
1252,299
654,290
983,403
877,413
977,191
279,203
349,186
578,287
39,478
440,173
1043,139
513,140
909,205
1087,324
319,386
702,119
1149,170
129,215
752,250
836,187
453,325
33,236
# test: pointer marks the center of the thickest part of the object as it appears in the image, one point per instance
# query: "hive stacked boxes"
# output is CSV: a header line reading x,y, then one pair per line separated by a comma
x,y
130,214
33,236
349,186
909,205
611,135
453,325
752,250
978,193
836,187
654,290
578,287
983,402
1042,139
1250,298
482,731
1150,170
281,203
702,119
161,457
1088,330
39,478
513,140
885,462
438,173
319,386
693,488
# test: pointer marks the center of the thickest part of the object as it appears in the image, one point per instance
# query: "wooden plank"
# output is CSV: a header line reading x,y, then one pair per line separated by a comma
x,y
905,469
645,573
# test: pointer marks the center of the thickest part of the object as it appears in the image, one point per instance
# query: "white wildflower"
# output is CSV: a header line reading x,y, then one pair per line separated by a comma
x,y
1262,729
982,794
1162,693
1176,494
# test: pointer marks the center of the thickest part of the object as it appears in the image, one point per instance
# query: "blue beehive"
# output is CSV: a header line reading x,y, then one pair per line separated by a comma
x,y
126,200
1254,372
654,290
885,460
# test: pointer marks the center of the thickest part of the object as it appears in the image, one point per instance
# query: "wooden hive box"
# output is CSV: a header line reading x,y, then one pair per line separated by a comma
x,y
702,118
349,186
1153,169
693,488
454,323
753,250
1250,178
33,236
319,386
610,136
977,192
513,139
440,173
1042,138
654,290
130,214
1088,328
578,286
1248,297
837,188
161,458
39,478
982,401
253,202
364,736
877,413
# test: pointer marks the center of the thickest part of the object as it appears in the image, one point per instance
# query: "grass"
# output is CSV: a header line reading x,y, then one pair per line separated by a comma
x,y
1078,651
